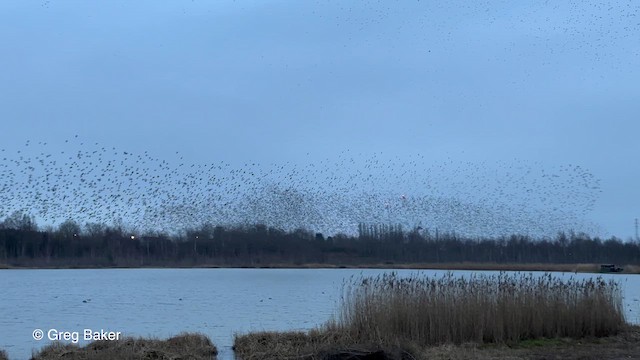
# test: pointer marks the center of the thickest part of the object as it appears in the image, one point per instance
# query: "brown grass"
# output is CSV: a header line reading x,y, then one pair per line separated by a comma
x,y
271,346
311,345
427,315
481,308
184,346
625,345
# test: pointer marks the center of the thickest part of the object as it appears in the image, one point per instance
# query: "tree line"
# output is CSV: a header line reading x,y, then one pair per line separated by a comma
x,y
22,243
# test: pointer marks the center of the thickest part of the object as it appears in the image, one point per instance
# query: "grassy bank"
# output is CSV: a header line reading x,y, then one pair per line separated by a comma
x,y
420,314
315,346
310,345
476,266
574,268
184,346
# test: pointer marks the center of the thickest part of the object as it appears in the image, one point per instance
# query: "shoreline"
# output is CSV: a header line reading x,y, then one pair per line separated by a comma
x,y
472,266
272,345
275,345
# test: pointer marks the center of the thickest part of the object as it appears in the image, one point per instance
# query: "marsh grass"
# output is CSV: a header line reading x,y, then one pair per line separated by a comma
x,y
418,317
275,345
503,308
184,346
315,344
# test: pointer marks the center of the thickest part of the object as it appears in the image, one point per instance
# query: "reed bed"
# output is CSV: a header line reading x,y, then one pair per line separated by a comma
x,y
503,308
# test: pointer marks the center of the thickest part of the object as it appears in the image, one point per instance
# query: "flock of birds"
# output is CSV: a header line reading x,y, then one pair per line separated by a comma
x,y
93,183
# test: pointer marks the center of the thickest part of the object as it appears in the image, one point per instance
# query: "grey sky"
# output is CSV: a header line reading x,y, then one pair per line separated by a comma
x,y
491,82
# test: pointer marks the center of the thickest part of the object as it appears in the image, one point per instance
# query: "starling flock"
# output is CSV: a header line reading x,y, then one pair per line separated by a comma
x,y
94,183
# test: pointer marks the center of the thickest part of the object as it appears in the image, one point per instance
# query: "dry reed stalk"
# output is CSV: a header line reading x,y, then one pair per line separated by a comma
x,y
389,309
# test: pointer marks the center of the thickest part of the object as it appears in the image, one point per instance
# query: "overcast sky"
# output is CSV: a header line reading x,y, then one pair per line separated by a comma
x,y
546,82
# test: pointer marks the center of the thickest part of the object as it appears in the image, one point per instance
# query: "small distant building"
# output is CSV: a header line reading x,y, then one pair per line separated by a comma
x,y
610,268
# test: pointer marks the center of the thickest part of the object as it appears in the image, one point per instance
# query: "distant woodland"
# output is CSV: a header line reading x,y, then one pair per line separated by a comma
x,y
22,243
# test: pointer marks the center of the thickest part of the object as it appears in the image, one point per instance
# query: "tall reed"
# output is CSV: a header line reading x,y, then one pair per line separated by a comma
x,y
390,309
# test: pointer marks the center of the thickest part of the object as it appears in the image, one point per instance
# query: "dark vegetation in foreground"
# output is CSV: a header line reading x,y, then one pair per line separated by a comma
x,y
407,318
22,243
271,346
185,346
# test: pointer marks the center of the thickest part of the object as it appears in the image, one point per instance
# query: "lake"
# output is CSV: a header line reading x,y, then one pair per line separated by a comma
x,y
165,302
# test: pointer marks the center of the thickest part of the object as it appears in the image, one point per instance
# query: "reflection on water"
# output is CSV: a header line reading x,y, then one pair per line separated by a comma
x,y
165,302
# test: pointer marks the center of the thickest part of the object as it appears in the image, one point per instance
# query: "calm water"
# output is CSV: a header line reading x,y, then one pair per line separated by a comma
x,y
165,302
